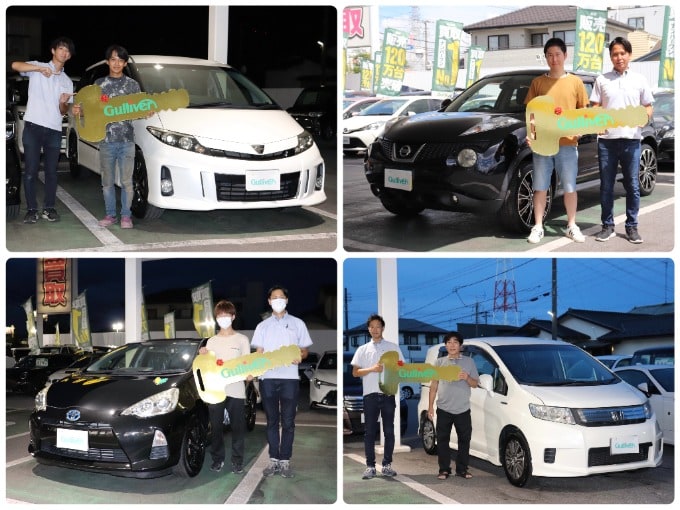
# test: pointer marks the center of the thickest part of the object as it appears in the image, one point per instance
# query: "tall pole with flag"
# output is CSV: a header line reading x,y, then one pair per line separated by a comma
x,y
80,323
33,342
667,56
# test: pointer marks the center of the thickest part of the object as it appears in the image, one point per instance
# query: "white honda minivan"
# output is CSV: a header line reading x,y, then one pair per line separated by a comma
x,y
233,147
548,408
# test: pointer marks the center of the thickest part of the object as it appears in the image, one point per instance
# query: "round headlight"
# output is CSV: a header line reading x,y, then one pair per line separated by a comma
x,y
467,158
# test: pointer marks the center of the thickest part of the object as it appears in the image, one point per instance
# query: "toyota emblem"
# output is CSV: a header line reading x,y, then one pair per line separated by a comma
x,y
73,415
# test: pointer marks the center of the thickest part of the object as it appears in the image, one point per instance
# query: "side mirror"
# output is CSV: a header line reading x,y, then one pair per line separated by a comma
x,y
486,383
644,388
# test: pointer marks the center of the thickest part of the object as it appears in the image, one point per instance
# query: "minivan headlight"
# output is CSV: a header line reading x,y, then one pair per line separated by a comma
x,y
155,405
304,141
178,140
550,413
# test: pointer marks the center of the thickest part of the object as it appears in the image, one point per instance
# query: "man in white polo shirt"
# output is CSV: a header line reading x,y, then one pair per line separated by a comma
x,y
50,91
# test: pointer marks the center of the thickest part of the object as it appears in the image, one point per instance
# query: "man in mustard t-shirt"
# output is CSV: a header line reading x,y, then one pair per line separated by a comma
x,y
569,93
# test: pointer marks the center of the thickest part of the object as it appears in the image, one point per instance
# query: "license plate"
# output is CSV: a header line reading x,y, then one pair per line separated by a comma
x,y
72,439
263,180
398,179
41,362
624,444
345,140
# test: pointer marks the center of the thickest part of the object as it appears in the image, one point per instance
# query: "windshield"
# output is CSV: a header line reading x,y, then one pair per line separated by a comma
x,y
553,365
384,107
500,94
176,356
207,86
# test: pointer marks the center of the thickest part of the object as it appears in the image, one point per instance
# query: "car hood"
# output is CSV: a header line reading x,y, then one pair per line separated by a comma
x,y
581,397
442,127
114,392
219,128
329,376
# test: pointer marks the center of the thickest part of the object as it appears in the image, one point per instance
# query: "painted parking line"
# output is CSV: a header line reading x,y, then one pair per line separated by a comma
x,y
244,490
620,220
412,484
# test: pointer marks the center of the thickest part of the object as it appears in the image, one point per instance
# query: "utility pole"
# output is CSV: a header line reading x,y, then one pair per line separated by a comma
x,y
554,299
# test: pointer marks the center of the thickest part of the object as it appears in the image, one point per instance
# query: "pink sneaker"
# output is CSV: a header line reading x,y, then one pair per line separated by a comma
x,y
126,222
107,221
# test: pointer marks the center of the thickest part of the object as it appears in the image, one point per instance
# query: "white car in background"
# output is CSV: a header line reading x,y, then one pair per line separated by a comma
x,y
548,408
657,382
233,147
323,387
360,130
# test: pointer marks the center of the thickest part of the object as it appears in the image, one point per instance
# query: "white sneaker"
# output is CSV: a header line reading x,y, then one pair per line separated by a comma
x,y
536,235
574,233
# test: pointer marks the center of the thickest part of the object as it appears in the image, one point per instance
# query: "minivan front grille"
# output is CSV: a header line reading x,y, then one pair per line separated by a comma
x,y
610,416
232,188
603,456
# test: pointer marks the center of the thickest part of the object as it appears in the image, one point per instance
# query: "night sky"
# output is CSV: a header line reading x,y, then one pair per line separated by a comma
x,y
103,279
260,38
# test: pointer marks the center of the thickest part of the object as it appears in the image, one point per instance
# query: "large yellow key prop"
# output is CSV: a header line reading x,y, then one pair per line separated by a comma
x,y
212,374
98,109
395,372
546,123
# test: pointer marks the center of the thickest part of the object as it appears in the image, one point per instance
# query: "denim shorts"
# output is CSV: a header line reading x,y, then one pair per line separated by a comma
x,y
565,163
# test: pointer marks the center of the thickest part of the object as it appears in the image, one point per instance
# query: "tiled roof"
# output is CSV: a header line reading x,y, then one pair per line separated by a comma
x,y
538,15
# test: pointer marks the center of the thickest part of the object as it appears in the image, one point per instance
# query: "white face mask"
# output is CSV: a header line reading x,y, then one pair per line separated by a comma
x,y
224,322
278,305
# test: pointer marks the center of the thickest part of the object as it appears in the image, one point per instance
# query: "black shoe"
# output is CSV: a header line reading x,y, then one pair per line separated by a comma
x,y
236,468
32,216
50,214
633,235
606,233
217,466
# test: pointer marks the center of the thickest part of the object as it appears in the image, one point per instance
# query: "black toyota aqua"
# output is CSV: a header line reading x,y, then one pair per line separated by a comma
x,y
473,156
134,412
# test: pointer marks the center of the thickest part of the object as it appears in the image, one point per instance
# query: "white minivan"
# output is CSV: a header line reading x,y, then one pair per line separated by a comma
x,y
233,147
548,408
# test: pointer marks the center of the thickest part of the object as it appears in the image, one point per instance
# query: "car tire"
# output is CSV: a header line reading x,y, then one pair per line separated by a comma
x,y
251,406
399,203
192,453
72,156
407,392
428,435
649,167
516,459
141,208
517,212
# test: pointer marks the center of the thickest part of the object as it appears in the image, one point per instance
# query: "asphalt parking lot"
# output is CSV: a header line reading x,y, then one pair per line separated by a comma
x,y
314,463
417,483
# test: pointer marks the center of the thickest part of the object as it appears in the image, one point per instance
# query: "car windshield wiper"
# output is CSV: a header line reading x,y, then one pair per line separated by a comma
x,y
211,105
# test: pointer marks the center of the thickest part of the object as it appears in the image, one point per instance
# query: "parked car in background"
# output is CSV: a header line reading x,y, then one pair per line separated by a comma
x,y
352,106
233,147
663,119
316,110
359,131
323,388
82,362
657,382
473,157
12,168
307,366
20,352
613,361
31,372
547,408
353,402
134,412
18,86
661,355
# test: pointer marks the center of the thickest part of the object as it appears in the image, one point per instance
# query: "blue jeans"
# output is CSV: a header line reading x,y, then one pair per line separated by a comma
x,y
37,138
463,424
610,154
375,405
121,154
279,400
565,163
